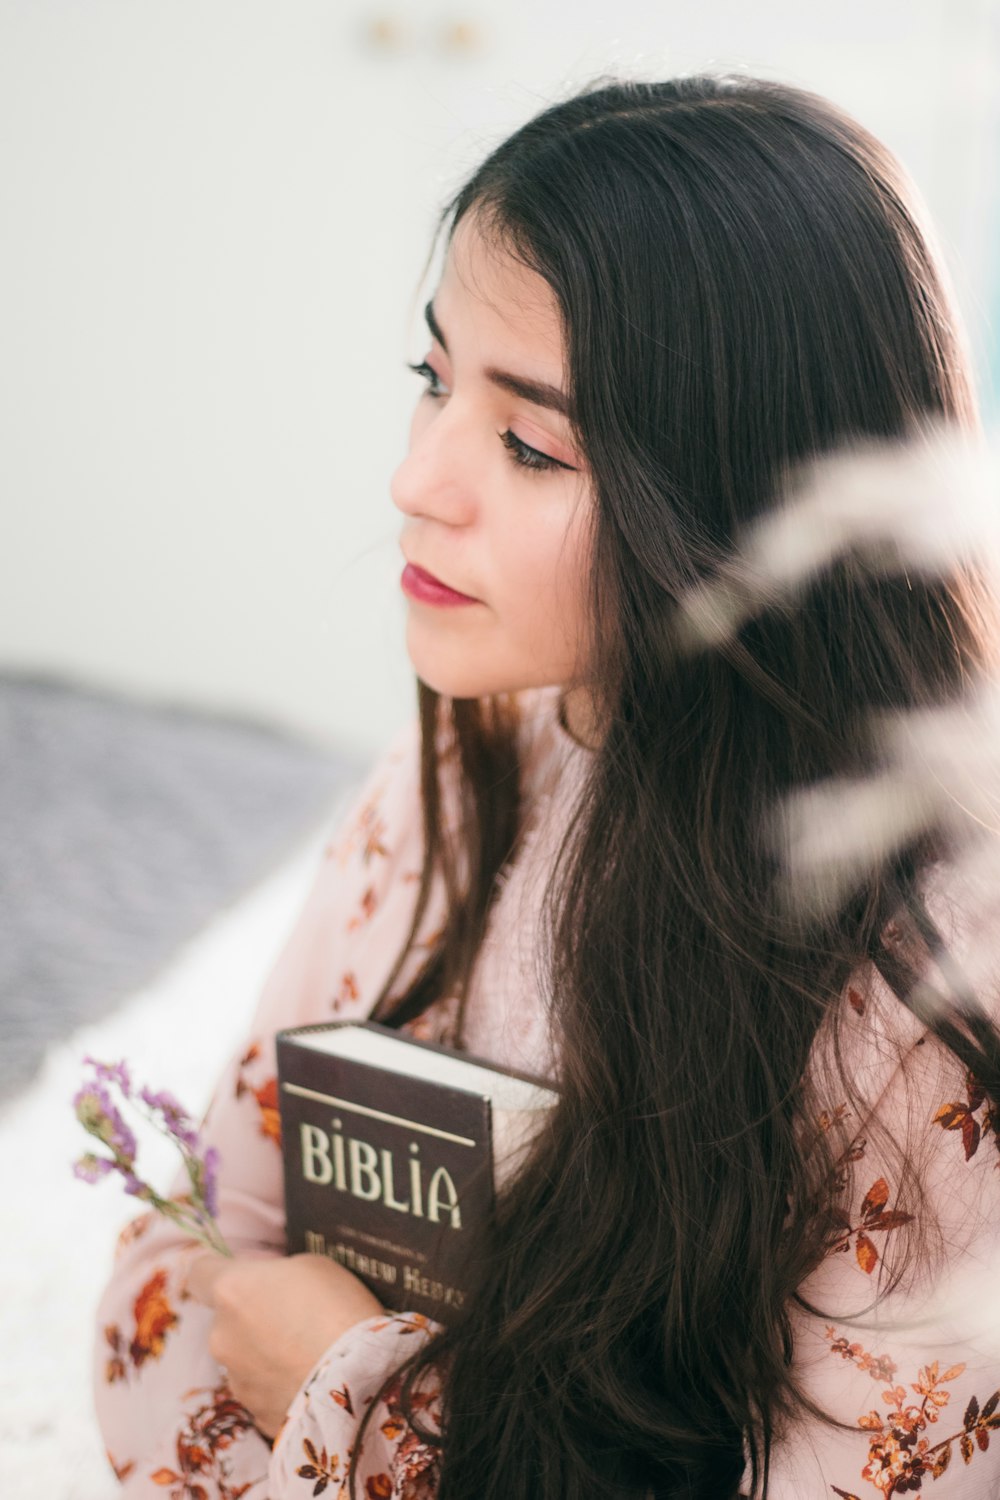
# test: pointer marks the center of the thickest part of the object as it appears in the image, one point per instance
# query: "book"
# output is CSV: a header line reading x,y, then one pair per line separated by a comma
x,y
393,1150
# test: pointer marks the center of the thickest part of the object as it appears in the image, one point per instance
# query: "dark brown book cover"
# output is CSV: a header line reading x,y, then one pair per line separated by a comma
x,y
386,1172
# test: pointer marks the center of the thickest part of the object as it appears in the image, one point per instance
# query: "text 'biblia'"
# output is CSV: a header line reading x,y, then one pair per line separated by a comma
x,y
354,1166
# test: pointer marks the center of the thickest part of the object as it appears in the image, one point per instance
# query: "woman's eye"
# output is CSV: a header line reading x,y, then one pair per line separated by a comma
x,y
528,458
521,454
429,375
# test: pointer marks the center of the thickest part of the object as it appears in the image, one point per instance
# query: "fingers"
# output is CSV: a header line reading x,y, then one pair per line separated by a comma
x,y
202,1274
206,1266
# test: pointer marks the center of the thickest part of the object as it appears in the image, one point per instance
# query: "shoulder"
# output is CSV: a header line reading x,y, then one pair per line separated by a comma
x,y
953,954
358,905
362,888
388,800
388,796
911,1129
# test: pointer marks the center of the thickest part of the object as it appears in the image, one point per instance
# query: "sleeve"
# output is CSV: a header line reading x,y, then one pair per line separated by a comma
x,y
318,1435
903,1348
169,1424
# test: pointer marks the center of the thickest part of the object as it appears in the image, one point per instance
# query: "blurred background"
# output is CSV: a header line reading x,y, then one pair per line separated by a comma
x,y
214,222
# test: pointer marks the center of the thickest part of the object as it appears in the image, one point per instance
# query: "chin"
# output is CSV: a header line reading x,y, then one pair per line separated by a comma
x,y
446,672
462,680
457,685
467,669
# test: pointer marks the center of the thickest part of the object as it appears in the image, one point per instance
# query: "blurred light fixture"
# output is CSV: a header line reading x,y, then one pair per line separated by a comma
x,y
461,37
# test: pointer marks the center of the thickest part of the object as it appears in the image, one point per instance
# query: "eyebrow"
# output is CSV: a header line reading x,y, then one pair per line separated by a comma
x,y
538,392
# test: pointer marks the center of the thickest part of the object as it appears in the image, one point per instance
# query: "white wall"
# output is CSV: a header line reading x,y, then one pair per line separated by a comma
x,y
213,218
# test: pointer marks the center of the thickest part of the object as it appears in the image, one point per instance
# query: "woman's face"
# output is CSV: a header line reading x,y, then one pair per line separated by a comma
x,y
513,535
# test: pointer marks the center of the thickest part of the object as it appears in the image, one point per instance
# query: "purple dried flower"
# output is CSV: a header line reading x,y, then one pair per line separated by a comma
x,y
99,1117
91,1168
136,1186
112,1073
175,1116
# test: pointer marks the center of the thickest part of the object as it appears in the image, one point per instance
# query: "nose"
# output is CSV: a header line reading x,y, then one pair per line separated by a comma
x,y
436,479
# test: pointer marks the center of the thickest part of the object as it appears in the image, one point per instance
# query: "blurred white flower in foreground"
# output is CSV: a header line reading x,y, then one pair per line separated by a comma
x,y
923,508
922,504
940,769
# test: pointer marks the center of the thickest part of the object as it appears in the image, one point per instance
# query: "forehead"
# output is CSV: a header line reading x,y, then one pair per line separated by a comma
x,y
489,299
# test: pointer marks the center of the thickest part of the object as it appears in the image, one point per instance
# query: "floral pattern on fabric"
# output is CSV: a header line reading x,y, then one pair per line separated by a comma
x,y
201,1452
347,991
875,1215
121,1471
133,1229
416,1465
316,1443
900,1454
265,1094
154,1318
961,1115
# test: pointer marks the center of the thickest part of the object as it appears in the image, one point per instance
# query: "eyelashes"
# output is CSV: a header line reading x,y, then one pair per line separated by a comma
x,y
525,457
521,454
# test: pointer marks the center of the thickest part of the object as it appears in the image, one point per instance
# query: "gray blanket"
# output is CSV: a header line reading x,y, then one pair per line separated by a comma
x,y
124,827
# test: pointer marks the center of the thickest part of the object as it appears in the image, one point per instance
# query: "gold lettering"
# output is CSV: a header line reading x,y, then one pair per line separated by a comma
x,y
414,1280
363,1159
442,1180
316,1165
416,1194
339,1173
387,1185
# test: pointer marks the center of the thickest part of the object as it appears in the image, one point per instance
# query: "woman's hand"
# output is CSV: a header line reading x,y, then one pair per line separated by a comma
x,y
274,1317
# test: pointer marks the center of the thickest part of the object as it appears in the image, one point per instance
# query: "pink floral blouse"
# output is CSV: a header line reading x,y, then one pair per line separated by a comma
x,y
915,1380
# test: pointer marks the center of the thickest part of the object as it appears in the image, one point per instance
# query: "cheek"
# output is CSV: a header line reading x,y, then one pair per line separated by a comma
x,y
550,572
574,555
574,596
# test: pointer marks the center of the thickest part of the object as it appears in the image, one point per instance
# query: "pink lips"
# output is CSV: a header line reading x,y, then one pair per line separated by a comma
x,y
428,589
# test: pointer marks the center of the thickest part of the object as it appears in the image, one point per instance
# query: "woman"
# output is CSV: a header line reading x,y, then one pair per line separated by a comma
x,y
706,1280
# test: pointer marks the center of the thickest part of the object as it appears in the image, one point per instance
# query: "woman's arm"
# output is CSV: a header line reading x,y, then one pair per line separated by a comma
x,y
162,1402
321,1428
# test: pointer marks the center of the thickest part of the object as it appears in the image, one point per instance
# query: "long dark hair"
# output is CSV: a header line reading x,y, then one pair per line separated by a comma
x,y
744,281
